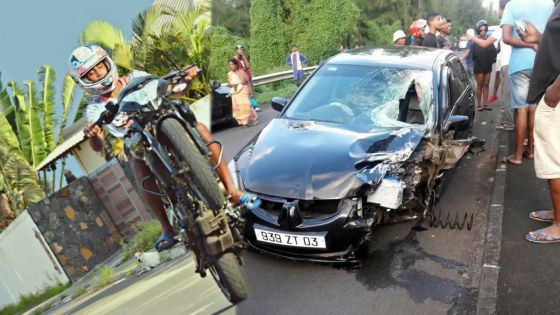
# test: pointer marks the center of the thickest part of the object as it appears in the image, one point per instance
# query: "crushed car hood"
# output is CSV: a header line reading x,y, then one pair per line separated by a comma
x,y
308,160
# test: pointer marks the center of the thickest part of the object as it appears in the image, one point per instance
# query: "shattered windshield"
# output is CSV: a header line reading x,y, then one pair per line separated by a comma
x,y
365,97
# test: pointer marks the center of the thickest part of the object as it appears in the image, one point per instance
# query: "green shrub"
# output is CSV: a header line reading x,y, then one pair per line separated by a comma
x,y
265,93
104,275
268,42
223,49
28,301
144,239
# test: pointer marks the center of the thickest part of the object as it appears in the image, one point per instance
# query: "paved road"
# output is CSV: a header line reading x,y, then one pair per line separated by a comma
x,y
528,276
431,272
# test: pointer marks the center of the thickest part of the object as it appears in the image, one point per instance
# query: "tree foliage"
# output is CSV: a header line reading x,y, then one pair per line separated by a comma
x,y
223,48
268,35
318,27
233,15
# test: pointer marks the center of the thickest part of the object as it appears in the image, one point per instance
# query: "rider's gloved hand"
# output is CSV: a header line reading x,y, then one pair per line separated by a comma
x,y
250,201
92,130
191,74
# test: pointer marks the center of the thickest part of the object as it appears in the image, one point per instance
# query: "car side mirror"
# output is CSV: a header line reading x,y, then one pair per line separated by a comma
x,y
456,120
215,85
278,103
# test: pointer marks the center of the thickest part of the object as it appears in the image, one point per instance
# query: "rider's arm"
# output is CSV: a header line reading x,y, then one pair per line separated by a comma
x,y
96,142
189,76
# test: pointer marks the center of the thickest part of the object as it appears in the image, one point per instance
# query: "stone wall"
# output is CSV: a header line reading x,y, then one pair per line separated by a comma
x,y
119,196
77,228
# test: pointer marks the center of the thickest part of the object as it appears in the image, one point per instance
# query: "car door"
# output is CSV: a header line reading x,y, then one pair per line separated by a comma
x,y
460,94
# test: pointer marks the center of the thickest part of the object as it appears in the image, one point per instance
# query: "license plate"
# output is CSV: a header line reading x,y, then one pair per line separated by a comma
x,y
308,240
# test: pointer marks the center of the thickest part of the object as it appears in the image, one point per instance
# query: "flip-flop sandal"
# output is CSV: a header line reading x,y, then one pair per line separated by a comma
x,y
480,109
165,241
509,160
540,215
527,155
491,99
487,107
542,238
250,201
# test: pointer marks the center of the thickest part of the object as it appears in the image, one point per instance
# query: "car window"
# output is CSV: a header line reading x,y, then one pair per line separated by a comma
x,y
457,81
363,97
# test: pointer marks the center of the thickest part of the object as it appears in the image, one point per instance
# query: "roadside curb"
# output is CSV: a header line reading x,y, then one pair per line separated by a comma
x,y
488,285
89,282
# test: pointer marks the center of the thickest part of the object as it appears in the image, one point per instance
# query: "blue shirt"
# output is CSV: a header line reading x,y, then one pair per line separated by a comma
x,y
535,11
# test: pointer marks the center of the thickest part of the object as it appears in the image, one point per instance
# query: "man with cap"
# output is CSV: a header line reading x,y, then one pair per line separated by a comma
x,y
399,38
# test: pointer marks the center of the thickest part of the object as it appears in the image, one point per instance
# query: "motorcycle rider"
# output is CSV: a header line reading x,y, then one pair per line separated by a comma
x,y
95,72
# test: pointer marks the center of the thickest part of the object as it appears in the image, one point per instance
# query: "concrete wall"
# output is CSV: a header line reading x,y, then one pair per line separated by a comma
x,y
88,159
27,265
77,227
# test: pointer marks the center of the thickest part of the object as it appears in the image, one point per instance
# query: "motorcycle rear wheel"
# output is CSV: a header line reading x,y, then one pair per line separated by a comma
x,y
202,178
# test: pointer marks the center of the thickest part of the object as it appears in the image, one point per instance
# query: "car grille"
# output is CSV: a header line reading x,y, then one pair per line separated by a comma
x,y
310,209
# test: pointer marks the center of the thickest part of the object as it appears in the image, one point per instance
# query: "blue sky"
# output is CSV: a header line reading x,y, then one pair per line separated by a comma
x,y
37,32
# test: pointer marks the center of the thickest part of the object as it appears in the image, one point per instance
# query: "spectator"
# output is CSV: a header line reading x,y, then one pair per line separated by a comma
x,y
484,58
467,58
505,121
434,24
445,40
296,60
545,86
341,48
521,68
399,38
238,81
245,66
417,32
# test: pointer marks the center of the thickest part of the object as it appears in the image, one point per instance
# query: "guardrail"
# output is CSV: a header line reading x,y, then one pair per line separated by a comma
x,y
279,76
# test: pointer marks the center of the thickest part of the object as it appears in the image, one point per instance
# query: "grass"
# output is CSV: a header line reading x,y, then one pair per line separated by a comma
x,y
144,239
29,301
79,291
104,276
265,93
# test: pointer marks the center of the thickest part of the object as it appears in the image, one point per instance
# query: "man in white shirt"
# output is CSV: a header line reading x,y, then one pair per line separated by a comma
x,y
296,60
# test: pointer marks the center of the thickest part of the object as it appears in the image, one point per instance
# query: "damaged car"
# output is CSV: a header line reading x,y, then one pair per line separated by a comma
x,y
366,140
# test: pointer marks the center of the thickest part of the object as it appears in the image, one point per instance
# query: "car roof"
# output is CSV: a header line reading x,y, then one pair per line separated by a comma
x,y
400,56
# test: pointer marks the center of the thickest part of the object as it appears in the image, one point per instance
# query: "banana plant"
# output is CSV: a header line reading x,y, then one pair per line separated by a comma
x,y
17,178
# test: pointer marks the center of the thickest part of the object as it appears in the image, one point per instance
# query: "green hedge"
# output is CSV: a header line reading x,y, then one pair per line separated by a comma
x,y
317,27
268,42
223,48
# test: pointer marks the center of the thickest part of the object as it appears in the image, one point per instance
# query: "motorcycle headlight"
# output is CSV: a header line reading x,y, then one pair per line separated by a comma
x,y
232,168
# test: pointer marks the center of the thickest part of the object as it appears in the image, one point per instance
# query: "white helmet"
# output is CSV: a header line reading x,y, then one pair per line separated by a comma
x,y
83,59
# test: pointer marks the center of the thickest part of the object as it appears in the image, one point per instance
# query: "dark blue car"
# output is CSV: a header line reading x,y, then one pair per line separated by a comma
x,y
364,141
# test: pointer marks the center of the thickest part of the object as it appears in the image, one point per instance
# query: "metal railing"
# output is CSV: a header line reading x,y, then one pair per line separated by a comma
x,y
279,76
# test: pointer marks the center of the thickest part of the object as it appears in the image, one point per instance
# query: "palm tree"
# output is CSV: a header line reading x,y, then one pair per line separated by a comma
x,y
18,182
162,40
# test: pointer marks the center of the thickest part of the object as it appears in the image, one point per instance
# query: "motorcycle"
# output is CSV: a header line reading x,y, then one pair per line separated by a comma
x,y
179,160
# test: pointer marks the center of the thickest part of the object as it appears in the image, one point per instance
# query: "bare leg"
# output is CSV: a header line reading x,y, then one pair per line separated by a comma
x,y
154,202
530,126
485,85
520,132
479,77
496,82
554,229
222,169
